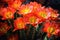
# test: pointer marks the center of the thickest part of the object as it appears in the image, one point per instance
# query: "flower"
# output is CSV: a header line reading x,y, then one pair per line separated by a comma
x,y
51,28
7,13
25,9
35,6
19,24
31,19
4,28
29,8
53,13
42,13
15,4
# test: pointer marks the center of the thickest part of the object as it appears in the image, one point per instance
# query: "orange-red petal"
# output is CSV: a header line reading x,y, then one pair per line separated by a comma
x,y
19,24
7,13
31,19
51,28
15,4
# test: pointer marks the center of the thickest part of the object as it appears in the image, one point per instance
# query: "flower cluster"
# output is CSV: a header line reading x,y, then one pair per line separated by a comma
x,y
32,13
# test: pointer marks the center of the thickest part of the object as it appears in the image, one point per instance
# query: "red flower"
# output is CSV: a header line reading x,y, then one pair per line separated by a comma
x,y
19,24
35,6
13,37
53,13
7,13
51,28
25,9
15,4
29,8
31,19
4,28
42,13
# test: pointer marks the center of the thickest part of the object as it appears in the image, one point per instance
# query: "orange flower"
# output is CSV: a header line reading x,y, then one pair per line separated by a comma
x,y
4,28
19,24
15,4
35,6
13,37
7,13
25,9
50,28
31,19
29,8
53,13
42,13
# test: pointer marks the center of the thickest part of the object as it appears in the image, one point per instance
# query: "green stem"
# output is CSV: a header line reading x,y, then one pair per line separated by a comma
x,y
28,30
33,34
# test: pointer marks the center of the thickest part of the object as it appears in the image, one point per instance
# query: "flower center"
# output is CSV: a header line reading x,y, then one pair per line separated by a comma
x,y
9,15
20,25
26,10
51,30
43,14
32,20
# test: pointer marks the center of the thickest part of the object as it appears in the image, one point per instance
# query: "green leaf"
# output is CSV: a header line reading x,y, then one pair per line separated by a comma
x,y
45,38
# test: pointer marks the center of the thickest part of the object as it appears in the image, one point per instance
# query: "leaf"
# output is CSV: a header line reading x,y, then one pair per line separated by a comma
x,y
45,38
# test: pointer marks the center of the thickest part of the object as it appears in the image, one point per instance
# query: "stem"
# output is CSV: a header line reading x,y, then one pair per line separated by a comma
x,y
33,34
28,30
22,35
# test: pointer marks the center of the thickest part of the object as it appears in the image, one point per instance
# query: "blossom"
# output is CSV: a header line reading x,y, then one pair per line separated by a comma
x,y
15,4
4,28
7,13
42,13
31,19
19,24
53,13
29,8
51,28
25,9
35,6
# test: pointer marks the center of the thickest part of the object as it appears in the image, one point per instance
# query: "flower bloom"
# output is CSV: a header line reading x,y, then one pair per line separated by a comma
x,y
42,13
25,9
31,19
15,4
53,13
4,28
19,24
29,8
51,28
35,6
7,13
